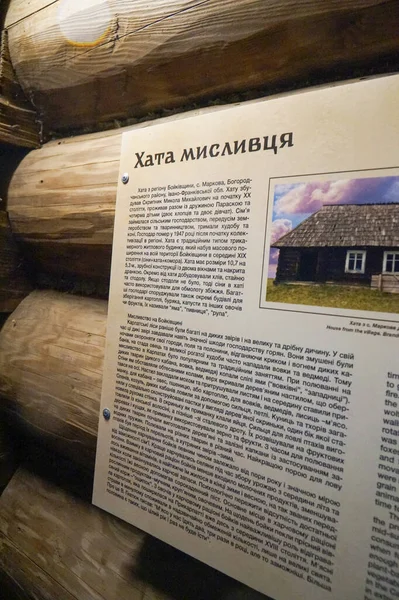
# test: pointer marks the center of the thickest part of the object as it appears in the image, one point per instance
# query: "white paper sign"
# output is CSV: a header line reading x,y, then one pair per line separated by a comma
x,y
252,368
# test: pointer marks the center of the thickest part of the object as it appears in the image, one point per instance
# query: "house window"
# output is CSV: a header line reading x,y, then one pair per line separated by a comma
x,y
391,262
355,261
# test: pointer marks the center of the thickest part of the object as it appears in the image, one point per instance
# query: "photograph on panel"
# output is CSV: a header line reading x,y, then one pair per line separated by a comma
x,y
335,242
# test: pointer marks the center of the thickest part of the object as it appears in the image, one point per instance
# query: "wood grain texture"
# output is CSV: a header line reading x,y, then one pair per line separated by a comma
x,y
18,125
61,204
86,64
20,9
67,545
51,360
22,579
55,545
66,192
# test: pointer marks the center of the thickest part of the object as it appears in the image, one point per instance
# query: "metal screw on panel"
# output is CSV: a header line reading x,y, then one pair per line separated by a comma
x,y
106,414
125,178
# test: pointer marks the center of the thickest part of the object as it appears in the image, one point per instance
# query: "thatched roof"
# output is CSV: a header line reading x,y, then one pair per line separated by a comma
x,y
351,225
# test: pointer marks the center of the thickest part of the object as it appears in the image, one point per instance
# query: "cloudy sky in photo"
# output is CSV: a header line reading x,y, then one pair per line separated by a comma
x,y
295,202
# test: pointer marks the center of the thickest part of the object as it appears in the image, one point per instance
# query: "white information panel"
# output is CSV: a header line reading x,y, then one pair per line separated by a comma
x,y
252,370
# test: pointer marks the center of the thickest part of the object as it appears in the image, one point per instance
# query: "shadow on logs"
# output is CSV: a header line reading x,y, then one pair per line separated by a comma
x,y
55,544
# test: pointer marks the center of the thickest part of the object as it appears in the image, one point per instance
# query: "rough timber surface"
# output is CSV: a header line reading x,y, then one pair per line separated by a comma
x,y
61,204
55,545
83,64
51,361
66,191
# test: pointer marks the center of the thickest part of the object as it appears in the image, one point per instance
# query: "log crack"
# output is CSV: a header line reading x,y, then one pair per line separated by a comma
x,y
139,29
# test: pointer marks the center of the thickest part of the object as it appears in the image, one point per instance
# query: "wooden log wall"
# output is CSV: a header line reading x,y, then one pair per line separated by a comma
x,y
151,57
51,360
61,204
8,455
58,546
55,545
14,283
18,130
88,65
82,64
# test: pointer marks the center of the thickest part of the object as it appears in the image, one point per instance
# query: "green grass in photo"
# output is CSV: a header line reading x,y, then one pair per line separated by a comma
x,y
336,296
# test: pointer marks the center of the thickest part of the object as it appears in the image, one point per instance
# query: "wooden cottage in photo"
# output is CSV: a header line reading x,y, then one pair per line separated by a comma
x,y
348,243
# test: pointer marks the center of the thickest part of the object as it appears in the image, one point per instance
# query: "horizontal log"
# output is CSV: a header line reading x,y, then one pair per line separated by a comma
x,y
65,192
54,544
51,361
85,64
15,282
61,205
